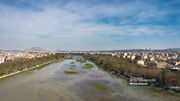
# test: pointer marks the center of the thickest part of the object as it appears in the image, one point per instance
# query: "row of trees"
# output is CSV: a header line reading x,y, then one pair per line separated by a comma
x,y
164,77
24,63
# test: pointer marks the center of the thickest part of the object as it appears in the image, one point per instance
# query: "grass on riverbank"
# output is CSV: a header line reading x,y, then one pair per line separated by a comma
x,y
29,69
43,65
70,72
99,87
149,89
158,91
88,66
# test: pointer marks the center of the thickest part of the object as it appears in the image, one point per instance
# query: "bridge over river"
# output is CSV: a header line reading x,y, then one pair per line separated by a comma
x,y
76,57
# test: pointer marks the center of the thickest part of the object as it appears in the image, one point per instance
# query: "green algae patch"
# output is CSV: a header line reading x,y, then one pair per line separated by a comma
x,y
99,87
83,61
70,72
72,67
87,66
72,62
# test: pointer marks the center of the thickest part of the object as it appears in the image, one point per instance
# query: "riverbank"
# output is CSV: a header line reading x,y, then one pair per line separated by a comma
x,y
27,69
150,89
147,77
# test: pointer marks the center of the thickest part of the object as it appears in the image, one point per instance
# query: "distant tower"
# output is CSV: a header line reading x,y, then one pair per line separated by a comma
x,y
150,50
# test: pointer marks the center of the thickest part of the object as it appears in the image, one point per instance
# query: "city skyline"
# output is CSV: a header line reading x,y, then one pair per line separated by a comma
x,y
89,25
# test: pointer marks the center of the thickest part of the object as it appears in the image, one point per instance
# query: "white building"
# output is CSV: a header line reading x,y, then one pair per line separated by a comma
x,y
2,60
161,65
177,63
133,57
151,59
128,56
140,62
145,57
125,54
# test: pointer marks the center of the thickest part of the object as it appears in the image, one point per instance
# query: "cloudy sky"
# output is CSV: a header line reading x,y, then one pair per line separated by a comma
x,y
89,24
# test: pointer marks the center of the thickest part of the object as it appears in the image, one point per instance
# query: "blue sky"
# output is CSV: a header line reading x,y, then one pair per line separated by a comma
x,y
89,24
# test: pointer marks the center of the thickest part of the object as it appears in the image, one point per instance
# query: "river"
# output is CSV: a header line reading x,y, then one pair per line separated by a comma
x,y
69,81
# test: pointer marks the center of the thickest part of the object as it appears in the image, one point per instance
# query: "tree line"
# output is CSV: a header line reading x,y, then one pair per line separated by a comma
x,y
11,66
164,77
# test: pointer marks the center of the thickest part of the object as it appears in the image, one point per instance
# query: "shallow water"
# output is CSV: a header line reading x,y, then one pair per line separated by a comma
x,y
51,83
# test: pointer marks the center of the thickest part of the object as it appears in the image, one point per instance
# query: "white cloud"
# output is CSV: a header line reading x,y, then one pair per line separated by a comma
x,y
75,20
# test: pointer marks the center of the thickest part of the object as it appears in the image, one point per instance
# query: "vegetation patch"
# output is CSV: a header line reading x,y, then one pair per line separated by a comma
x,y
157,91
83,61
88,66
11,66
99,87
72,68
70,72
127,68
72,62
73,65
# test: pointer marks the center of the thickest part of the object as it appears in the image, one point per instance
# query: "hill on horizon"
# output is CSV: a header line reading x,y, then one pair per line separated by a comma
x,y
36,49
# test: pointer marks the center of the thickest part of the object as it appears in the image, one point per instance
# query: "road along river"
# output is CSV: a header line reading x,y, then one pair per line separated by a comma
x,y
70,80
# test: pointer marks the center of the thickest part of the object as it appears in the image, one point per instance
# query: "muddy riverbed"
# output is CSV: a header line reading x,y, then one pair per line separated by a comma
x,y
70,80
